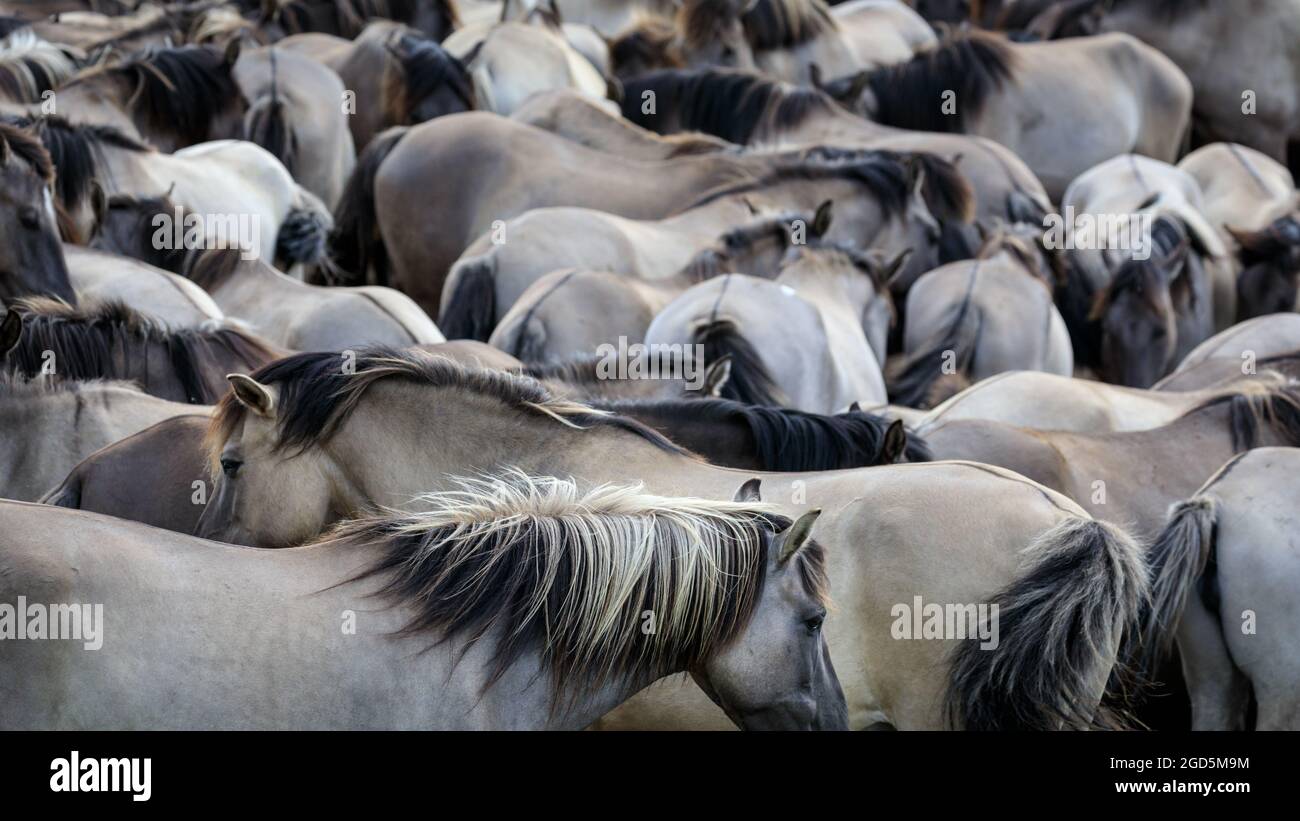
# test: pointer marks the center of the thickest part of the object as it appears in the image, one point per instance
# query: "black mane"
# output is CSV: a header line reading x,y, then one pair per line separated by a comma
x,y
786,439
972,66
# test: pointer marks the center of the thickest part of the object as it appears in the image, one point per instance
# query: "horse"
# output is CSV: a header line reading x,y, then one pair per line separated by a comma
x,y
30,66
540,326
970,320
883,200
950,532
1153,312
99,276
829,307
576,117
397,173
740,593
102,32
1047,401
231,193
51,425
397,76
787,38
749,109
1115,213
111,341
1227,554
285,311
1242,189
646,375
1220,50
157,476
751,437
295,111
1252,200
983,84
31,259
347,18
511,61
1240,350
172,97
1133,477
609,17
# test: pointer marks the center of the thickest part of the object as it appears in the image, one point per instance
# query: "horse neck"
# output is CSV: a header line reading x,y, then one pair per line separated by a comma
x,y
101,94
527,440
125,171
827,289
714,436
712,218
833,126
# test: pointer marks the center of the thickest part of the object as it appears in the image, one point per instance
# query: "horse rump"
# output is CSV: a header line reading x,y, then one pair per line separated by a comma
x,y
267,124
750,382
354,247
940,368
470,312
1062,630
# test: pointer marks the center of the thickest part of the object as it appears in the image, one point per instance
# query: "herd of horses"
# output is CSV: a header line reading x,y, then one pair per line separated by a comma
x,y
642,364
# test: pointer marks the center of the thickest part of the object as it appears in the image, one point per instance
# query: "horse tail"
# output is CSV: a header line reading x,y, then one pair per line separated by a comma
x,y
750,382
470,308
918,379
523,337
304,232
354,246
1180,558
267,124
68,493
1060,629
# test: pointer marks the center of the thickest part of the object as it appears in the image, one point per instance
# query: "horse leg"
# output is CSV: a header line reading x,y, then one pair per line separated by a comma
x,y
1220,692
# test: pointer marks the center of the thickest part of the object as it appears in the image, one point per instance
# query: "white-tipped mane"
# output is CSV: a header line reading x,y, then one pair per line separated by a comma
x,y
538,559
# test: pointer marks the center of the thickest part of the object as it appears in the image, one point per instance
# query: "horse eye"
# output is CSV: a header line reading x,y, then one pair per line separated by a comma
x,y
230,467
29,217
815,623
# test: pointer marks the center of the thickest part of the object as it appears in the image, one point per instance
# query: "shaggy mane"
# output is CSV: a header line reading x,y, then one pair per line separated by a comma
x,y
542,563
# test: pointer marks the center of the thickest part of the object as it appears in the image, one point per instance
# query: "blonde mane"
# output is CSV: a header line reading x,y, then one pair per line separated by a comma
x,y
542,563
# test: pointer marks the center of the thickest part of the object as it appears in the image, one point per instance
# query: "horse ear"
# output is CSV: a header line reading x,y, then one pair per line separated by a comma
x,y
11,330
893,444
856,407
822,219
232,51
253,394
98,205
614,89
716,376
796,535
750,491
